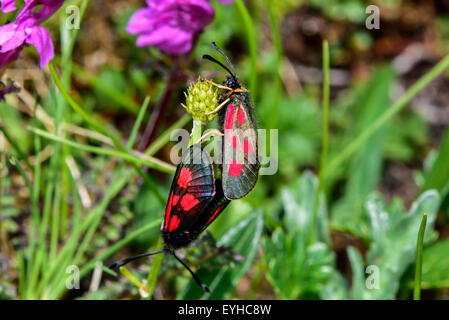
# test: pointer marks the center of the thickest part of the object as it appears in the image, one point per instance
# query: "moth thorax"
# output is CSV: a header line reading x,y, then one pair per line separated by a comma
x,y
177,240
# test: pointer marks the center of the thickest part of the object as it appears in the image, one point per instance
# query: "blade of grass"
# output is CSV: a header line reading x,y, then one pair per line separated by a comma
x,y
16,162
65,253
154,272
106,88
91,221
34,223
80,111
324,146
137,124
88,266
277,42
355,145
418,265
4,247
56,270
252,43
98,127
22,277
155,164
54,228
45,222
16,147
165,137
130,237
55,164
131,277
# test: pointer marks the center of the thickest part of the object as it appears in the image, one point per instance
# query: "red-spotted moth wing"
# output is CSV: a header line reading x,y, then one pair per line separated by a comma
x,y
240,168
195,199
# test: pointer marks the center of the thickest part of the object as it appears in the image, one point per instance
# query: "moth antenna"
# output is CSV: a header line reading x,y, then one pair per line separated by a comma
x,y
216,48
208,57
195,277
127,260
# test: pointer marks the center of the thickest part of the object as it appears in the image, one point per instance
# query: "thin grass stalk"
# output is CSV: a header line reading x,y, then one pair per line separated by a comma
x,y
277,43
418,264
252,43
88,266
161,166
95,219
34,223
94,124
154,271
324,145
165,137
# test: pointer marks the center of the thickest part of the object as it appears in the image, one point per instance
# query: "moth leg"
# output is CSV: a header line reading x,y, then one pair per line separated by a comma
x,y
218,85
213,133
213,111
232,91
219,107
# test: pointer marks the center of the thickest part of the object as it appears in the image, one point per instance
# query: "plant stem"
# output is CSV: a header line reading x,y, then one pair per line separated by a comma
x,y
197,131
418,265
324,146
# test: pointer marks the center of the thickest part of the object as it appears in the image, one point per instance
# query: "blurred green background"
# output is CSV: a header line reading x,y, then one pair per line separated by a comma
x,y
68,202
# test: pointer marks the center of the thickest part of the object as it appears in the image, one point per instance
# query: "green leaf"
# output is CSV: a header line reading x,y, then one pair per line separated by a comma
x,y
393,246
293,268
358,277
336,288
438,177
435,266
244,239
298,205
365,169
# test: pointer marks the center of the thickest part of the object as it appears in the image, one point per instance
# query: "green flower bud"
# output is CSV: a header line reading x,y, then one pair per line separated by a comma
x,y
201,101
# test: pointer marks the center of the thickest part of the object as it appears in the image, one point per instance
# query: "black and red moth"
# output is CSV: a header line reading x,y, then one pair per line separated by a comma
x,y
199,193
196,199
240,167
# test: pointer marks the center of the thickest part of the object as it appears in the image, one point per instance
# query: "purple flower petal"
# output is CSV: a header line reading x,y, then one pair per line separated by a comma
x,y
12,36
167,39
139,21
40,38
49,7
8,5
170,25
25,29
9,56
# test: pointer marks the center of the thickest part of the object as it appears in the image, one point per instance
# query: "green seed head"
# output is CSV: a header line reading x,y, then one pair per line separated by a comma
x,y
201,99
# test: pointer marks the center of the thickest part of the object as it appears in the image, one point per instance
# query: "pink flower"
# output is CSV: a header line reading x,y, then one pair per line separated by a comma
x,y
170,25
7,5
26,30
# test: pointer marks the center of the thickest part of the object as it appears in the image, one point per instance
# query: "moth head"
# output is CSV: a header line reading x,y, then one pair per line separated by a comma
x,y
231,82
